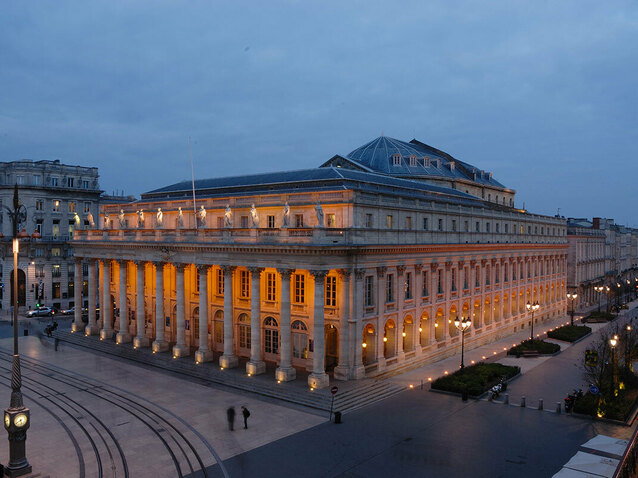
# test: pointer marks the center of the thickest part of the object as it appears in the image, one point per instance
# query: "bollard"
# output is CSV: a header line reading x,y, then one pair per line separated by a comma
x,y
540,403
522,402
489,396
506,399
558,408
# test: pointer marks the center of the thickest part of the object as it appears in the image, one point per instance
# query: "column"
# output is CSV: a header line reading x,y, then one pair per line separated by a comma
x,y
256,364
318,378
107,306
123,334
159,345
140,313
78,326
356,320
203,354
343,367
285,372
381,271
228,359
400,292
92,328
418,310
180,349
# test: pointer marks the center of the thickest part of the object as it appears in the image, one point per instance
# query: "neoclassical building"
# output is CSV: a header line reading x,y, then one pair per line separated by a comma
x,y
343,270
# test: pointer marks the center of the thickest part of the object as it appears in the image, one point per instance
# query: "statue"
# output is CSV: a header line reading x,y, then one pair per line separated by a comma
x,y
286,220
201,219
179,222
107,221
228,217
159,218
121,219
90,220
254,217
76,218
140,218
319,211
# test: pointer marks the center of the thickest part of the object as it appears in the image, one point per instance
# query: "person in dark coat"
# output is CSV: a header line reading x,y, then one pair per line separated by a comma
x,y
246,414
230,414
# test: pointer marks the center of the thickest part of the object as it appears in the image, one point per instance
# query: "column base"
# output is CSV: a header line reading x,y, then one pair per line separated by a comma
x,y
358,372
204,356
160,346
380,364
141,342
401,356
341,373
255,368
285,374
122,338
318,380
91,330
228,361
77,328
181,351
23,470
106,334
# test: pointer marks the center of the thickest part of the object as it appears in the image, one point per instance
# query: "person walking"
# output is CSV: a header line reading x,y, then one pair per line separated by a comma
x,y
230,414
246,414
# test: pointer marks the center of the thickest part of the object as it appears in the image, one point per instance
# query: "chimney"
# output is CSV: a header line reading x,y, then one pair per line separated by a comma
x,y
596,222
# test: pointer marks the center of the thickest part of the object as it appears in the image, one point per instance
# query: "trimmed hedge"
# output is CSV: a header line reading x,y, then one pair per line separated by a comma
x,y
475,379
542,347
569,333
596,316
614,408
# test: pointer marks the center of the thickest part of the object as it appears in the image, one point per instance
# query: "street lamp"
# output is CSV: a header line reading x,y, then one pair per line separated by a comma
x,y
572,297
533,307
599,289
627,347
16,417
613,342
463,325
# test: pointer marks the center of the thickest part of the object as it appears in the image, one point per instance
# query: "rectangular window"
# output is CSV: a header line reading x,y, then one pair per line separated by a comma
x,y
38,226
39,204
425,223
36,180
85,269
487,275
477,278
369,221
454,225
487,227
505,274
71,288
71,224
331,291
298,220
439,282
408,222
71,206
466,272
453,280
196,280
389,288
440,224
507,228
369,291
244,222
85,184
56,271
424,288
529,273
70,182
478,226
497,227
271,222
408,285
466,226
54,182
55,252
20,179
497,271
220,281
56,205
331,220
271,286
244,284
39,271
39,252
300,289
389,221
56,290
87,207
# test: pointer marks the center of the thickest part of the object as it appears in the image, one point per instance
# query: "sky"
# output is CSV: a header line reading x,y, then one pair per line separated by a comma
x,y
543,94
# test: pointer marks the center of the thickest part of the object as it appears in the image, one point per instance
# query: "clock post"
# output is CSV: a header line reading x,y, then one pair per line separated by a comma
x,y
16,417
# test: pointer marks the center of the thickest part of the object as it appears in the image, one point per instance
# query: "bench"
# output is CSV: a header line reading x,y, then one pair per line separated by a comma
x,y
530,353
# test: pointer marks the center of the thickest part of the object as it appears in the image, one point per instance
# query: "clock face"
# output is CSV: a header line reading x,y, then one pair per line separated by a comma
x,y
20,420
7,420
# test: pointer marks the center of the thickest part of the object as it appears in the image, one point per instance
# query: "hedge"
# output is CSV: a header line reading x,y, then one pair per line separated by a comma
x,y
543,348
569,333
475,379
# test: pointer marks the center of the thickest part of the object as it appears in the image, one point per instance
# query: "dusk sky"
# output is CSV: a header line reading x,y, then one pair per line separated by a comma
x,y
543,94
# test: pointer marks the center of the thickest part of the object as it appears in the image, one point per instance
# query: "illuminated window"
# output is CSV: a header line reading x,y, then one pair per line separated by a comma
x,y
39,204
271,286
244,287
369,291
271,336
389,288
220,281
331,291
298,220
300,289
271,222
56,206
331,220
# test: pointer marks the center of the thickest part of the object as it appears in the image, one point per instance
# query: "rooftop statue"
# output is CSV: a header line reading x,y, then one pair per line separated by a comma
x,y
159,218
286,219
121,219
319,212
91,221
179,222
254,217
228,217
140,218
202,216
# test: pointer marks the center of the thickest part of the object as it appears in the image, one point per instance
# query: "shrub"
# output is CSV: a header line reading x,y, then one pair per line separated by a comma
x,y
569,333
542,347
596,316
475,379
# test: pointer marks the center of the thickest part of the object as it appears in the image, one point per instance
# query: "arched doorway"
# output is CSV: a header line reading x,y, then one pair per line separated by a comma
x,y
219,330
369,344
439,332
496,308
452,330
424,329
476,316
487,312
389,339
299,343
243,329
271,339
22,288
408,334
332,347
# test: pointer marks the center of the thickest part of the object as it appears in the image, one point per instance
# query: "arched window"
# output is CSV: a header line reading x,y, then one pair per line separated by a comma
x,y
271,336
244,331
219,326
299,340
195,326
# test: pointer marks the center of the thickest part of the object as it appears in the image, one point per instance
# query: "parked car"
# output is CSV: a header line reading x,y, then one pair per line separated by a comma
x,y
71,311
41,312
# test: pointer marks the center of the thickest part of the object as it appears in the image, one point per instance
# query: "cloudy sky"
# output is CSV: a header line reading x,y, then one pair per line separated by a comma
x,y
544,94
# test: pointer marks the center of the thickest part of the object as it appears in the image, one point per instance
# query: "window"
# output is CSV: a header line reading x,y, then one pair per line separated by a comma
x,y
220,281
271,336
87,207
70,182
298,220
505,273
466,272
425,223
38,226
71,288
487,227
466,226
454,225
439,281
271,222
453,271
85,184
299,340
39,252
424,288
85,269
331,220
507,228
36,180
54,182
487,275
244,331
20,179
55,270
478,226
271,286
331,291
497,273
412,158
39,204
369,291
369,222
244,285
219,327
243,222
56,290
440,224
477,277
408,285
396,159
521,229
389,221
408,222
300,289
196,282
389,288
56,229
56,206
70,268
39,271
71,224
497,227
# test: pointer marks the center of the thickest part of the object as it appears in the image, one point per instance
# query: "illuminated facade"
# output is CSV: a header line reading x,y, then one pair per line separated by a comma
x,y
332,270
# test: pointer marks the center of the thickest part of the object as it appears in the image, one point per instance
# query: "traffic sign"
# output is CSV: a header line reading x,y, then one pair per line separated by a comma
x,y
594,390
334,390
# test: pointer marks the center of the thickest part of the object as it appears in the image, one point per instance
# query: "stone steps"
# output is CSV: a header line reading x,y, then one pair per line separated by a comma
x,y
363,394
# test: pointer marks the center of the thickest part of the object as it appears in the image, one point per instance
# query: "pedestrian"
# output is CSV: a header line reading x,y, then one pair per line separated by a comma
x,y
230,414
246,414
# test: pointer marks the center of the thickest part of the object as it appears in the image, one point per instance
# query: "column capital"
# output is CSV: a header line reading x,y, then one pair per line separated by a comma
x,y
90,260
179,266
359,273
140,263
285,273
344,273
122,262
417,267
159,264
202,268
400,270
319,275
381,271
227,268
255,270
434,266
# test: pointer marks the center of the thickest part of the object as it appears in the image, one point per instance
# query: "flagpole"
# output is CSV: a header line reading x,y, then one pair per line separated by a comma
x,y
190,147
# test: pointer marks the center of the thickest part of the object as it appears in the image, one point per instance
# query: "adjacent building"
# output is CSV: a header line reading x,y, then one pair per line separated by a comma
x,y
346,270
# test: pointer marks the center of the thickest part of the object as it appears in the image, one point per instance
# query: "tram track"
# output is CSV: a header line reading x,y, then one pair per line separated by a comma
x,y
182,450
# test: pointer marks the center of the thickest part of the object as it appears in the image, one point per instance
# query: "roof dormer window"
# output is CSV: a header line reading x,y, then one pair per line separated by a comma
x,y
396,159
412,158
426,162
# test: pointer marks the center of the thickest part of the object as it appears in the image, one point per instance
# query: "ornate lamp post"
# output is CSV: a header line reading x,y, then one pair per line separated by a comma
x,y
463,325
572,297
613,342
627,347
16,417
533,307
599,289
